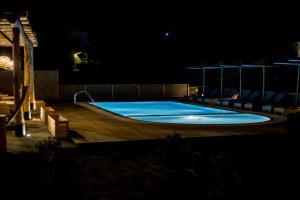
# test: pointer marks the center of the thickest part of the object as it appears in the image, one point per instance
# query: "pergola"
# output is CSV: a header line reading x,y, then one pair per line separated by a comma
x,y
16,32
291,63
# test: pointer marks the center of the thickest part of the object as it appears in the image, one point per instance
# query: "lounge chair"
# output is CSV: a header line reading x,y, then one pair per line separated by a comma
x,y
258,104
230,102
288,105
251,98
277,101
205,97
228,94
211,95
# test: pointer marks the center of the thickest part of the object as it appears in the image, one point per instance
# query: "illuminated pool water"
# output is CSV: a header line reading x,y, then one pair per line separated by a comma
x,y
180,113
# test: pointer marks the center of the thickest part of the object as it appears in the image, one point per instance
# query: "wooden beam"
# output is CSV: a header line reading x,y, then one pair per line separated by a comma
x,y
297,87
221,87
27,60
18,24
240,88
203,82
263,82
31,78
6,37
20,21
20,129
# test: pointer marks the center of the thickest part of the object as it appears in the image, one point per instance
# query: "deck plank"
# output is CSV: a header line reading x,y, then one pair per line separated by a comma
x,y
97,125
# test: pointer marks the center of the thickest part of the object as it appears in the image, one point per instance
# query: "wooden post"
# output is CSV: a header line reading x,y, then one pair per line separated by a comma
x,y
297,87
240,89
138,91
27,58
187,90
203,82
3,142
20,129
112,92
221,82
263,82
31,78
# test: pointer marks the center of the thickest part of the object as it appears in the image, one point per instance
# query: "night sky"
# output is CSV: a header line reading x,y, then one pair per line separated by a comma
x,y
129,39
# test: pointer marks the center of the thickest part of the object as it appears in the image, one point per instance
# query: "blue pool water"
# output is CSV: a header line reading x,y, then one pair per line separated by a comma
x,y
181,113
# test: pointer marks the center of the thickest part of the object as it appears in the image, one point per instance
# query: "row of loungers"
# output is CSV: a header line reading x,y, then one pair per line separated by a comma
x,y
249,100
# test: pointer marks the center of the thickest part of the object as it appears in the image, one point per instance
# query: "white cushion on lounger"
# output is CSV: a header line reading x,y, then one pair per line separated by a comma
x,y
190,98
248,106
238,105
225,103
199,100
267,108
218,102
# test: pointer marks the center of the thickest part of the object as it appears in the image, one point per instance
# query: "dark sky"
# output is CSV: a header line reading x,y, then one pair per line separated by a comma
x,y
131,35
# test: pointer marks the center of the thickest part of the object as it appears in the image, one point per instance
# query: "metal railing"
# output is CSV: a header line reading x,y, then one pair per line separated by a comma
x,y
86,93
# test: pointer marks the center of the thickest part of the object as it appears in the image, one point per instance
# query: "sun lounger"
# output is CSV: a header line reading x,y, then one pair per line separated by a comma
x,y
211,95
230,102
258,104
228,94
250,98
277,101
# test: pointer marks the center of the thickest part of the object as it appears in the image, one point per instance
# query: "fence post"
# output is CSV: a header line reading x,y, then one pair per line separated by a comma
x,y
164,91
138,91
112,91
3,142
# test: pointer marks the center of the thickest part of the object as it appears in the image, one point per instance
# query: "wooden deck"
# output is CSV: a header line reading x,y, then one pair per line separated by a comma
x,y
96,125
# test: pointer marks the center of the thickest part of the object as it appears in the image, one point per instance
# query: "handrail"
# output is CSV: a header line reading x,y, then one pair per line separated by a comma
x,y
80,92
18,108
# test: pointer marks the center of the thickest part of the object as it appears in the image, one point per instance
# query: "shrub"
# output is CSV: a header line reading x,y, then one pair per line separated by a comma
x,y
175,151
48,148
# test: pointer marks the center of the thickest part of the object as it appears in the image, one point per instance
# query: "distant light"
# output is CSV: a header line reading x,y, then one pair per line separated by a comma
x,y
28,135
294,60
167,34
249,65
283,63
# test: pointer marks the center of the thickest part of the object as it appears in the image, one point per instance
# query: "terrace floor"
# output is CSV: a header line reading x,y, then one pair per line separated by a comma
x,y
37,131
95,126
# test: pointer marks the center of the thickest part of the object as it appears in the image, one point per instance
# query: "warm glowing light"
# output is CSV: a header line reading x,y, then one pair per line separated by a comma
x,y
77,60
6,63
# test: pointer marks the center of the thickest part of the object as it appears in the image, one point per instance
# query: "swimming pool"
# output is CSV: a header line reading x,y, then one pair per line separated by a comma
x,y
179,113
